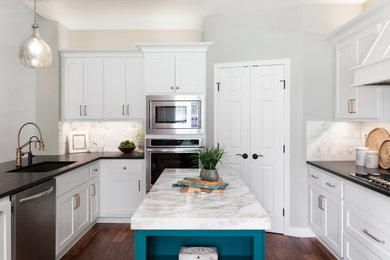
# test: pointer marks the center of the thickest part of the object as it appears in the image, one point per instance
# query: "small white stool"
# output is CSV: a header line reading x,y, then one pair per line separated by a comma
x,y
198,253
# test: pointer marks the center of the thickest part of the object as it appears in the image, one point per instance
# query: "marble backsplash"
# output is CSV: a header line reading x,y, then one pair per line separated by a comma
x,y
105,134
336,141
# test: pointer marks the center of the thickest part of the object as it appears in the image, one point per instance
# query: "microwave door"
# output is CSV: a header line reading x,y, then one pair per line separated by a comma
x,y
171,115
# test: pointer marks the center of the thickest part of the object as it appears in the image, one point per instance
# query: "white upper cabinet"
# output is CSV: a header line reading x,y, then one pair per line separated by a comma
x,y
175,68
123,88
103,84
352,43
82,88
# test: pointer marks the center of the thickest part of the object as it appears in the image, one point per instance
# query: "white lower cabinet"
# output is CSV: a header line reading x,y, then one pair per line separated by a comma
x,y
326,209
5,228
121,189
94,198
325,216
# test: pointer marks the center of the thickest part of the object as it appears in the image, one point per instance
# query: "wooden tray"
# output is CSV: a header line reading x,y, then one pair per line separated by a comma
x,y
376,137
384,155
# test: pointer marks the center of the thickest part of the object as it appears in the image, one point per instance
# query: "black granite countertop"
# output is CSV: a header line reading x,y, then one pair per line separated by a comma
x,y
13,182
344,169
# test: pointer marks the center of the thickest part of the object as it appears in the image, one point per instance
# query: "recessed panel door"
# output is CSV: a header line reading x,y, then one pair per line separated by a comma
x,y
233,119
267,140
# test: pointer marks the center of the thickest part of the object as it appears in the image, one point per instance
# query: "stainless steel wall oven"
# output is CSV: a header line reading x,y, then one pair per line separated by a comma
x,y
169,153
175,114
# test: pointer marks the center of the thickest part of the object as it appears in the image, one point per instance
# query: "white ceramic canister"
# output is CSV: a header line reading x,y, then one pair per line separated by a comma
x,y
372,159
361,156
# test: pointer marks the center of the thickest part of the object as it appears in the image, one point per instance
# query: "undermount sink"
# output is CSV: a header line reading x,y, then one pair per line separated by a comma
x,y
43,166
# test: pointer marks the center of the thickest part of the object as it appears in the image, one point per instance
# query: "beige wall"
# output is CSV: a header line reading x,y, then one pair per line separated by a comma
x,y
124,38
369,3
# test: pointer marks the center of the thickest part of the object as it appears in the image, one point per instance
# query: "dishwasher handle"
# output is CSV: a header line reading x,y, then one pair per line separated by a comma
x,y
37,196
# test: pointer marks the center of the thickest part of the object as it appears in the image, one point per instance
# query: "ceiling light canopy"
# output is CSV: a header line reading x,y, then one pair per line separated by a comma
x,y
34,52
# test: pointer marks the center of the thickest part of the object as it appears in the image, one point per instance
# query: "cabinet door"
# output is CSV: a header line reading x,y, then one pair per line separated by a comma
x,y
332,227
115,88
190,73
135,90
315,211
5,228
81,212
93,88
121,194
94,199
345,59
72,89
368,103
159,73
64,221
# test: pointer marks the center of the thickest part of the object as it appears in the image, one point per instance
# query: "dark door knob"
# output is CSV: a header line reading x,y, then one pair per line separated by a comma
x,y
245,156
255,156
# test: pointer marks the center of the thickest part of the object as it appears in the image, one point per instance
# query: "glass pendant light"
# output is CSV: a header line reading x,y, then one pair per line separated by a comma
x,y
34,52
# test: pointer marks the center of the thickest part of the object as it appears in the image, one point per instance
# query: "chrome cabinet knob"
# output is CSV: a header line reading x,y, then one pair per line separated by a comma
x,y
244,156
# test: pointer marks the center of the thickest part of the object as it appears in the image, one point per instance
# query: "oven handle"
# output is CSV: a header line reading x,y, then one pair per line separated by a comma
x,y
173,150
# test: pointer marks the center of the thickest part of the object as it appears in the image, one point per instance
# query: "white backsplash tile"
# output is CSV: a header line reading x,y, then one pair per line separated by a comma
x,y
337,141
105,134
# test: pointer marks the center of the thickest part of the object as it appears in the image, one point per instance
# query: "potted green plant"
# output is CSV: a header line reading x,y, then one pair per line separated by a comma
x,y
209,160
126,146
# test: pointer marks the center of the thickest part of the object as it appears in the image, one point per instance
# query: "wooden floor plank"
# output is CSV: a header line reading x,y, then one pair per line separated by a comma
x,y
116,241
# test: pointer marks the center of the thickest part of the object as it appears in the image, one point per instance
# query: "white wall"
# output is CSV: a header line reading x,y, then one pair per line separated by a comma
x,y
17,87
278,33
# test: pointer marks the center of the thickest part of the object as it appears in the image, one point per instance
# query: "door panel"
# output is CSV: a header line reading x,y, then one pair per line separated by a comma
x,y
114,88
159,73
135,92
315,212
267,140
333,228
65,221
81,213
233,120
93,89
73,82
190,73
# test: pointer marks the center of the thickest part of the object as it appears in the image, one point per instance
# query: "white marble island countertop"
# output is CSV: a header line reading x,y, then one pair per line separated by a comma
x,y
165,208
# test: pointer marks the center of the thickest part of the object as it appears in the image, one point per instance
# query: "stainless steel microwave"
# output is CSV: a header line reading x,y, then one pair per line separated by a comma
x,y
175,114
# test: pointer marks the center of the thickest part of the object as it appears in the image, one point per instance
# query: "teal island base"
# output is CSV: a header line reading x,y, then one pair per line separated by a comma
x,y
231,244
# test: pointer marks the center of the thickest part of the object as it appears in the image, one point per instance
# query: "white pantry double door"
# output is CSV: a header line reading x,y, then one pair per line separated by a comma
x,y
250,126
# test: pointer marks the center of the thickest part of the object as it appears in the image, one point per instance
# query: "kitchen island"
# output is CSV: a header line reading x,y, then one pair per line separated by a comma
x,y
233,221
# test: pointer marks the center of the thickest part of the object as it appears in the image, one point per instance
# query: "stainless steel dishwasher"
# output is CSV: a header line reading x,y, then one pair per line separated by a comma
x,y
33,222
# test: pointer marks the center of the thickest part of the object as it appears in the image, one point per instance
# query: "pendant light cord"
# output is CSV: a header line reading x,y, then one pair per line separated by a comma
x,y
35,25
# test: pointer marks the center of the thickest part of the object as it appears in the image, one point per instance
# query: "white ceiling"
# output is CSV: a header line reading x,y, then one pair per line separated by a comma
x,y
148,14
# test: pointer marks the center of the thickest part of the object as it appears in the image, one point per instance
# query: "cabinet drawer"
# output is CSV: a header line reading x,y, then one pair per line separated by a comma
x,y
333,185
353,250
315,176
94,170
70,180
369,231
121,166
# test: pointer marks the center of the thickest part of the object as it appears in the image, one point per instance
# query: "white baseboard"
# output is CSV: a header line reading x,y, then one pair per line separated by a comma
x,y
300,232
113,220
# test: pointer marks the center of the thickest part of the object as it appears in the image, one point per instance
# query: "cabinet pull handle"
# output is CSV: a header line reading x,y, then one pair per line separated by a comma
x,y
75,197
85,110
139,185
373,237
349,106
313,176
320,202
128,110
94,189
95,169
124,167
123,110
81,112
353,106
171,87
1,212
177,87
330,185
78,196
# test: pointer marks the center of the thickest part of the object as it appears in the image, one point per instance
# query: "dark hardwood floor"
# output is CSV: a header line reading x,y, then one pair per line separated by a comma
x,y
116,241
